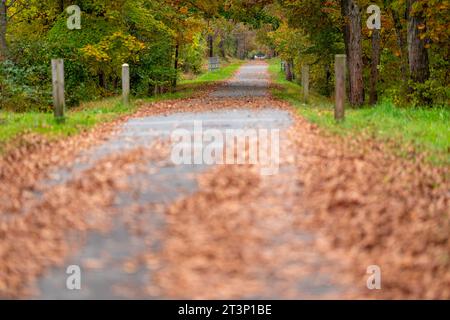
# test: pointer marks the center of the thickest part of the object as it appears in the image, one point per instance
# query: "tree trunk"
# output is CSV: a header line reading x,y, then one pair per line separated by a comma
x,y
353,46
291,63
288,71
3,25
61,6
177,54
102,79
376,53
211,46
241,46
401,41
222,48
418,55
327,80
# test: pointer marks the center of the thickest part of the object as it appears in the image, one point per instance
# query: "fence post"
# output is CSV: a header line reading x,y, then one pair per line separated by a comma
x,y
126,84
59,103
340,69
305,83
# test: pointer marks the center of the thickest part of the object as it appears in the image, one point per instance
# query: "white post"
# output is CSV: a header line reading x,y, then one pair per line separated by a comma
x,y
126,84
59,103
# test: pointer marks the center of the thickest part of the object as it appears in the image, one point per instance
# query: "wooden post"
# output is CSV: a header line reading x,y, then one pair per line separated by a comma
x,y
340,69
59,103
305,83
126,84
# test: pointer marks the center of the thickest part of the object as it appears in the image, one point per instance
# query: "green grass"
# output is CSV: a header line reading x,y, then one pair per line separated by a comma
x,y
222,74
89,114
426,129
77,120
82,118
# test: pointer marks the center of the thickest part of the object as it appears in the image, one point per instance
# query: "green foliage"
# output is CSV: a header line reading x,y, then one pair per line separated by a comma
x,y
418,128
22,85
312,32
253,13
193,55
214,76
13,124
431,91
142,33
154,69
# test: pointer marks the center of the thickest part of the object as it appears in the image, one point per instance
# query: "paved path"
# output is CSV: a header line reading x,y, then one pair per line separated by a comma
x,y
104,257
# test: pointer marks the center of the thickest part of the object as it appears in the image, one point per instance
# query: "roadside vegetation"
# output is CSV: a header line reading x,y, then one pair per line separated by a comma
x,y
400,68
88,114
225,72
409,129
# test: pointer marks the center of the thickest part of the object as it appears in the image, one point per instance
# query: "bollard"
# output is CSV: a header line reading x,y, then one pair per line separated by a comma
x,y
59,103
126,84
340,69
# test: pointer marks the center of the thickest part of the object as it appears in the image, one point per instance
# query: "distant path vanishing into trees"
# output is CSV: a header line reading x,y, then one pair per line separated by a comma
x,y
202,261
146,208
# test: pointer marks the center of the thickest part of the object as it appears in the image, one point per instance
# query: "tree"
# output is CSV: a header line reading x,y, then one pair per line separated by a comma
x,y
375,61
319,23
376,52
3,27
208,9
417,52
289,43
396,11
351,13
5,6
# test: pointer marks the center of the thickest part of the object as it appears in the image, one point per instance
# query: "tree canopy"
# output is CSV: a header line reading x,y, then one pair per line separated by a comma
x,y
407,60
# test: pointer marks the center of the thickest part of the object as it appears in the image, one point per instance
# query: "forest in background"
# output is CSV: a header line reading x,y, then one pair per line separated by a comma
x,y
159,39
407,61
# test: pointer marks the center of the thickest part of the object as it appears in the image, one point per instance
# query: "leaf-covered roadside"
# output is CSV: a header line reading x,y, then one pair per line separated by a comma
x,y
377,208
14,126
410,132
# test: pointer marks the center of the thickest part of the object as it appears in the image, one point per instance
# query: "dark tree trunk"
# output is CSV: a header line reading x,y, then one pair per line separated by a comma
x,y
272,54
102,79
353,46
418,55
401,42
61,6
177,54
288,71
346,32
376,53
241,46
291,63
211,46
3,26
327,80
222,48
116,83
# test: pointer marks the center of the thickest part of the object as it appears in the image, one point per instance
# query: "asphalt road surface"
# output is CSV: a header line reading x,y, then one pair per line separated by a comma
x,y
109,260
